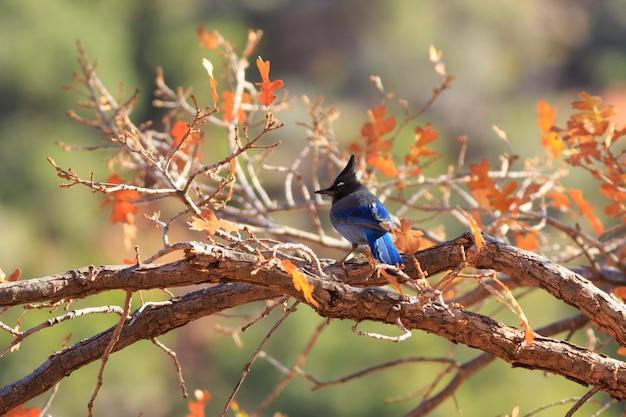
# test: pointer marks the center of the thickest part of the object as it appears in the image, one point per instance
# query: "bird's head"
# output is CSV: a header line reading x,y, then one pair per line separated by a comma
x,y
345,183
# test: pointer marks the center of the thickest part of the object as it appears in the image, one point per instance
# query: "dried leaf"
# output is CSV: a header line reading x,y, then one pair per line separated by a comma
x,y
408,240
208,222
300,282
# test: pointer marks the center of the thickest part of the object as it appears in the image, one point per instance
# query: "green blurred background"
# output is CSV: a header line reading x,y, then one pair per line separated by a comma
x,y
505,55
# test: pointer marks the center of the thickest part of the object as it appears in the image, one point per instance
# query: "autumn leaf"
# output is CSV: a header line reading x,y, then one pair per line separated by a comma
x,y
385,164
408,240
527,241
585,209
267,87
228,104
559,200
209,40
550,140
209,223
372,134
123,209
620,292
212,82
476,232
486,192
20,411
393,281
423,136
300,282
196,408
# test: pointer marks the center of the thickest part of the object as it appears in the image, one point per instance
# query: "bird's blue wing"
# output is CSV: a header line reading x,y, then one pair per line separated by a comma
x,y
373,216
383,249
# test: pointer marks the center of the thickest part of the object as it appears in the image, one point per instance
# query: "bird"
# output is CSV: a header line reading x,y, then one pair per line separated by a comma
x,y
360,217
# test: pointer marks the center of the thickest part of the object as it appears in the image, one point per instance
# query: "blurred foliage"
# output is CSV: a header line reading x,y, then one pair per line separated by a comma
x,y
505,55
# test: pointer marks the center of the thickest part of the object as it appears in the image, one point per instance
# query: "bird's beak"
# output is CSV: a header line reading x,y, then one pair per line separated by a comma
x,y
326,191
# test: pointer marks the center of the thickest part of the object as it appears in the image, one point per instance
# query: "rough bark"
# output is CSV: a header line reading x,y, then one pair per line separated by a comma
x,y
351,293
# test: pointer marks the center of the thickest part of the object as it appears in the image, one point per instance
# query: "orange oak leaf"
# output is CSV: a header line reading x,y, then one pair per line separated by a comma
x,y
559,200
585,209
550,140
123,209
408,240
372,134
423,136
300,282
208,222
180,132
228,104
209,40
527,241
267,87
385,164
196,408
486,192
20,411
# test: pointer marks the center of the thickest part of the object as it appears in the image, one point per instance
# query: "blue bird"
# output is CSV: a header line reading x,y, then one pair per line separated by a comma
x,y
360,217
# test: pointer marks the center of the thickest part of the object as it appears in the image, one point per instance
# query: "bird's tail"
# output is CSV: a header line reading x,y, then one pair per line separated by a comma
x,y
383,250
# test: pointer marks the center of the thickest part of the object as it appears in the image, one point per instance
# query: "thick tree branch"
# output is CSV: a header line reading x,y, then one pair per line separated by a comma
x,y
147,323
244,277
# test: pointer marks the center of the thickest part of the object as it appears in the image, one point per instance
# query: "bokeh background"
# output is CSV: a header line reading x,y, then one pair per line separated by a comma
x,y
505,56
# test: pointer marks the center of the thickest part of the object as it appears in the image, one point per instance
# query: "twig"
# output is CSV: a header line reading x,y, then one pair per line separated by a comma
x,y
179,370
109,349
255,355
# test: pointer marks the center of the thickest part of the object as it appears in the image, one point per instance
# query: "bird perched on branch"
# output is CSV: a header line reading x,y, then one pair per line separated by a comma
x,y
360,217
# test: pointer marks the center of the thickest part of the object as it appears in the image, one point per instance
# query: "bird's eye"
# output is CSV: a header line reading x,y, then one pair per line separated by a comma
x,y
339,184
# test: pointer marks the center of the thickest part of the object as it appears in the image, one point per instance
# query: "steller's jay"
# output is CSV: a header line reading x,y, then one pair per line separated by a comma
x,y
360,217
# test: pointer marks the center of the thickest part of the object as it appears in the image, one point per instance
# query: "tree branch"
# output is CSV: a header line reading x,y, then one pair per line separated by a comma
x,y
255,277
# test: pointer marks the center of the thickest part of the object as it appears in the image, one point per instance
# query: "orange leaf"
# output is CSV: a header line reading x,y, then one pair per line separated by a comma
x,y
196,408
15,275
620,292
422,138
228,103
267,87
20,411
300,282
585,209
559,200
546,116
123,209
209,40
393,281
527,241
209,68
529,335
621,351
209,223
476,232
408,240
385,164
